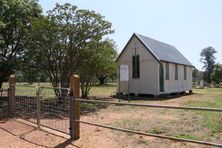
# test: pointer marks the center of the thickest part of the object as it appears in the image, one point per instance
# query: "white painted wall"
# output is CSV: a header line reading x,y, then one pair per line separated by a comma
x,y
179,85
148,81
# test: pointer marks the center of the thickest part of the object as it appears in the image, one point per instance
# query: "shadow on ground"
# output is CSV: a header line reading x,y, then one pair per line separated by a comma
x,y
151,97
16,133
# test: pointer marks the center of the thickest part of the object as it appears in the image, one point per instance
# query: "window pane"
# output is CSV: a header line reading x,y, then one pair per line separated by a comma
x,y
185,72
137,66
167,71
133,66
176,72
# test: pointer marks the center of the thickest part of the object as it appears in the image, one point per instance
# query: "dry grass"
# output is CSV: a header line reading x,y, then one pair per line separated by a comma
x,y
179,123
196,125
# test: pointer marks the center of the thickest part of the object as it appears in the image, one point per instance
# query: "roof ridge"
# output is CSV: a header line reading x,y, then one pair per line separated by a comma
x,y
174,55
155,40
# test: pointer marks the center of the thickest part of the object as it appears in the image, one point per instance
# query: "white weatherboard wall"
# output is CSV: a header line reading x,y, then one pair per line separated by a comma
x,y
149,70
179,85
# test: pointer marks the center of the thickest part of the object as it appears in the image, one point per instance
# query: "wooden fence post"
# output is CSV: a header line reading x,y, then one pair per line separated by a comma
x,y
11,95
74,85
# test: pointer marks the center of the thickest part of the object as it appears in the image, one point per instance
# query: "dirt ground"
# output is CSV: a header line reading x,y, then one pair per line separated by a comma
x,y
19,135
16,134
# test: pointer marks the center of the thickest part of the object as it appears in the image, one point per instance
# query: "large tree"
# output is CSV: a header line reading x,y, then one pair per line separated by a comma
x,y
15,18
107,65
216,76
208,59
68,41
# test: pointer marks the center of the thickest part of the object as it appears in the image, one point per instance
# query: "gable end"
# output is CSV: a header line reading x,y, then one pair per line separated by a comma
x,y
141,41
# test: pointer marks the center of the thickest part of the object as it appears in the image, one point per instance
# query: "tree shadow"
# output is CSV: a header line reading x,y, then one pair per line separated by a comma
x,y
23,135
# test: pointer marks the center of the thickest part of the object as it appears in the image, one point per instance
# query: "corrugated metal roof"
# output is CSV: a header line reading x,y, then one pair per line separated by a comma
x,y
163,51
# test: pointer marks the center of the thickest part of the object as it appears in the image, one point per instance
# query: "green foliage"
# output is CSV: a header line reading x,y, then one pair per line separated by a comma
x,y
216,76
33,75
15,18
197,75
208,59
106,61
67,41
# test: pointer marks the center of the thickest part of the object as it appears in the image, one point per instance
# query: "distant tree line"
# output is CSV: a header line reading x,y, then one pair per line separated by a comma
x,y
65,41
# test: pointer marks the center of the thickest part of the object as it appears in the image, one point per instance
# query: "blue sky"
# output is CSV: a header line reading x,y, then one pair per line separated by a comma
x,y
189,25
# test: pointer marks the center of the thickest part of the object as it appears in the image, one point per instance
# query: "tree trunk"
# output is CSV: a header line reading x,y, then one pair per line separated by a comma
x,y
102,80
85,87
64,84
84,92
1,82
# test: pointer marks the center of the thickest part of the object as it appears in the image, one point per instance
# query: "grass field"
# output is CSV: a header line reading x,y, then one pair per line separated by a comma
x,y
196,125
210,97
30,90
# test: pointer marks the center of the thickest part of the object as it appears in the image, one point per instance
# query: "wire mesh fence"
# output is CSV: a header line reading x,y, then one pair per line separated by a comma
x,y
54,108
45,106
4,103
26,102
50,107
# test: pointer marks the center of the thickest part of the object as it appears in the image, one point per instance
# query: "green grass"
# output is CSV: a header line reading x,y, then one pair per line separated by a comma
x,y
208,90
24,89
29,90
5,85
107,89
213,121
156,130
210,97
188,136
195,125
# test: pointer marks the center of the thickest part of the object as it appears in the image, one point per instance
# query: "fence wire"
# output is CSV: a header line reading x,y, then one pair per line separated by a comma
x,y
4,103
54,108
26,102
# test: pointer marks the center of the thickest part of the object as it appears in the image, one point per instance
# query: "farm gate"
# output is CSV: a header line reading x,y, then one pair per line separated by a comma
x,y
45,107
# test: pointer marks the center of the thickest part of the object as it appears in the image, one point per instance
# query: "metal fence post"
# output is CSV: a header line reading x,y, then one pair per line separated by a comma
x,y
74,85
11,95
